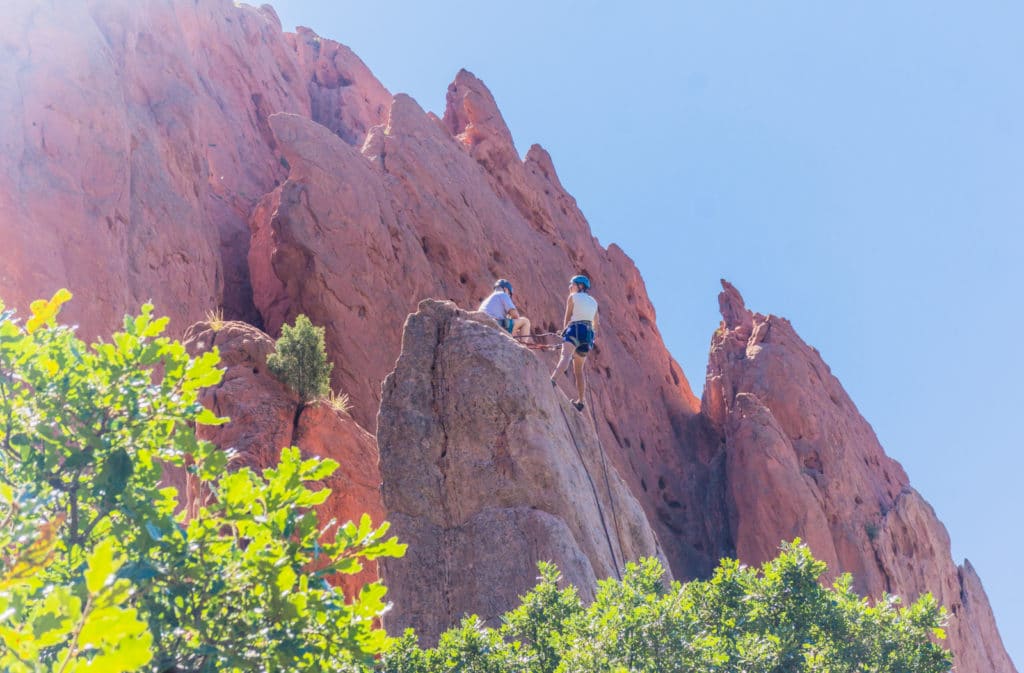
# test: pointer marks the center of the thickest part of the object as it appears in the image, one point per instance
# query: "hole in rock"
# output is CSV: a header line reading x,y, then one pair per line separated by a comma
x,y
813,462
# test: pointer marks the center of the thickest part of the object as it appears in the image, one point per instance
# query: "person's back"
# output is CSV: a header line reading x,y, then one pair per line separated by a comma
x,y
584,308
578,334
497,305
500,307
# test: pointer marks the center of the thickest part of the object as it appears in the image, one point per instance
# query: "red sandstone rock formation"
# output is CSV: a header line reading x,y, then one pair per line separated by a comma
x,y
488,469
801,461
266,416
141,161
134,153
132,168
355,238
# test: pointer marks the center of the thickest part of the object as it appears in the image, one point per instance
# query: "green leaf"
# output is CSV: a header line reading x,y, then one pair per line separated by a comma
x,y
207,417
286,578
101,566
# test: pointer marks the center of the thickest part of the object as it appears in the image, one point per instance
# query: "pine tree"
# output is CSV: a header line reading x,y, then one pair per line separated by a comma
x,y
300,360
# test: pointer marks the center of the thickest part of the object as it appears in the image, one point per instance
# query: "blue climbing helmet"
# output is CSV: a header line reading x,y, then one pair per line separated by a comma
x,y
501,283
581,280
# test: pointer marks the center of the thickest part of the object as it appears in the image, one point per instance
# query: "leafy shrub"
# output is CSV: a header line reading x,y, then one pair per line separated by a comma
x,y
108,576
300,360
778,619
62,626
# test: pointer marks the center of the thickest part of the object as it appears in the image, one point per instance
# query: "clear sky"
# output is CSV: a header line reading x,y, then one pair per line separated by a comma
x,y
855,167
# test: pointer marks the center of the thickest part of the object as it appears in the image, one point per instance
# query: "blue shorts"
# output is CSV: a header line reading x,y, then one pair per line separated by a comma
x,y
507,324
581,335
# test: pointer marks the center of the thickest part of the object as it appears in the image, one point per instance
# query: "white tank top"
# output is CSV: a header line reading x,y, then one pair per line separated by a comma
x,y
584,307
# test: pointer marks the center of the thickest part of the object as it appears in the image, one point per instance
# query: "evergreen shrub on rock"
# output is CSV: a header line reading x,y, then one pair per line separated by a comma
x,y
300,360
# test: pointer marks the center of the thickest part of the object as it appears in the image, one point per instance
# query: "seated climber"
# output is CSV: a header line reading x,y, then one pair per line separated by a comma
x,y
578,335
500,307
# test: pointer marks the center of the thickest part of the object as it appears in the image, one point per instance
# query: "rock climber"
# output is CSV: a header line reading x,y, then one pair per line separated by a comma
x,y
500,307
578,335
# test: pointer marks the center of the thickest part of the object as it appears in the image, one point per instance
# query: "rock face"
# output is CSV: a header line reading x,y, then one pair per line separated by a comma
x,y
354,238
134,153
267,416
192,153
488,469
801,461
145,168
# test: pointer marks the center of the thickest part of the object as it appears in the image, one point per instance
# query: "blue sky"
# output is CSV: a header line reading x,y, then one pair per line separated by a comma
x,y
855,167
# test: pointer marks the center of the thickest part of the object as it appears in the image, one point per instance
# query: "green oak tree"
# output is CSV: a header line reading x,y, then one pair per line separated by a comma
x,y
101,568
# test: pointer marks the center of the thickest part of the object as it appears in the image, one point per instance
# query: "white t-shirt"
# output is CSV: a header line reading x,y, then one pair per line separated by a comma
x,y
497,305
584,307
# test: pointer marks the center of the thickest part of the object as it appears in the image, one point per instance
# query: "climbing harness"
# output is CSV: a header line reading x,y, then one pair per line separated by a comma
x,y
580,333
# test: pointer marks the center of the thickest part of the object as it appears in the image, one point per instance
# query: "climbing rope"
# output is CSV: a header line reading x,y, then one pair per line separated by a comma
x,y
608,487
533,345
597,498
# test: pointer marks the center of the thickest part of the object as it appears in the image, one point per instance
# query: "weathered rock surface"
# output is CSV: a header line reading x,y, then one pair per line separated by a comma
x,y
488,469
801,461
132,155
146,159
266,416
356,237
344,95
263,411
